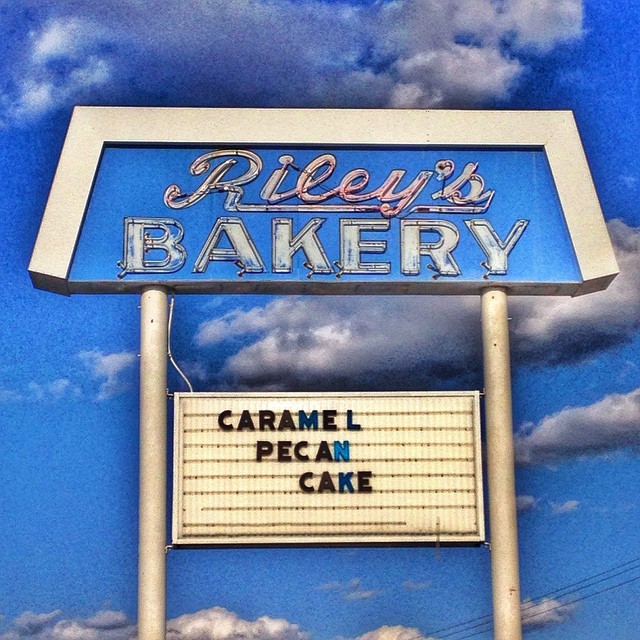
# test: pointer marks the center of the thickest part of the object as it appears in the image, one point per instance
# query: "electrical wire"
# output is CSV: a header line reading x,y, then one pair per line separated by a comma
x,y
559,606
560,592
574,587
173,362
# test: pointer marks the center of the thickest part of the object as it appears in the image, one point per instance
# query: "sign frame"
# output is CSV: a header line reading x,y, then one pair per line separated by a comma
x,y
93,128
408,538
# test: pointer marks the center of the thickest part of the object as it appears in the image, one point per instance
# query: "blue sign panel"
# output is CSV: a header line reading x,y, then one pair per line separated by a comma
x,y
323,219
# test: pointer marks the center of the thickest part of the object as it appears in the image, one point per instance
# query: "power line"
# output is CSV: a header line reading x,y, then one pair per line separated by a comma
x,y
560,592
559,606
527,618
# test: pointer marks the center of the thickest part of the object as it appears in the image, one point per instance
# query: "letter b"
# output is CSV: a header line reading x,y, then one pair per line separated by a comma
x,y
152,245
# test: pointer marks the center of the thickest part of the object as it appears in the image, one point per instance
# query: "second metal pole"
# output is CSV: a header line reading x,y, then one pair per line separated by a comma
x,y
153,465
501,466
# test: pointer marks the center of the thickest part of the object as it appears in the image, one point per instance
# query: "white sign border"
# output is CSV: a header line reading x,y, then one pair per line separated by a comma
x,y
327,540
91,128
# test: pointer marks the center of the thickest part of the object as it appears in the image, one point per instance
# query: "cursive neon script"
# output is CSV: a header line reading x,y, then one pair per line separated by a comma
x,y
462,194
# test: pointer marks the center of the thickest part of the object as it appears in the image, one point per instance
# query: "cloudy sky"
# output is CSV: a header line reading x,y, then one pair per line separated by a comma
x,y
68,366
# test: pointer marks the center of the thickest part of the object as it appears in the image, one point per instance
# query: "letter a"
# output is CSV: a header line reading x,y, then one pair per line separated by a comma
x,y
243,250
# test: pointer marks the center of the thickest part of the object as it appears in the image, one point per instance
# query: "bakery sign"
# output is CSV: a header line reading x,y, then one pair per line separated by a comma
x,y
357,218
266,468
204,200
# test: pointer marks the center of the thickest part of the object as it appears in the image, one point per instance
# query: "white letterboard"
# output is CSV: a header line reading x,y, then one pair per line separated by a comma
x,y
327,468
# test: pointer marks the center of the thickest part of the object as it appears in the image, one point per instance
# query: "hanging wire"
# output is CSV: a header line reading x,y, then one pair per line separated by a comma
x,y
526,618
480,625
574,587
171,359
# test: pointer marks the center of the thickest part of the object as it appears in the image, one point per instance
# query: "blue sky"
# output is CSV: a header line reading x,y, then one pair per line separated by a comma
x,y
68,366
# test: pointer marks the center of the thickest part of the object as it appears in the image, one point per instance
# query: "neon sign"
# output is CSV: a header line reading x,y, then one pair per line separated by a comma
x,y
154,245
322,209
316,173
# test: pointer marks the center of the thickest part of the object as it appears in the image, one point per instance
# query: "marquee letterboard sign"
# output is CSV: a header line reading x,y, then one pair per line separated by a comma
x,y
266,468
306,201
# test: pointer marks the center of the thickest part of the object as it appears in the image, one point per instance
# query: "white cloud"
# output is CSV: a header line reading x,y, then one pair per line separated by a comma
x,y
110,368
29,623
360,594
64,38
215,623
219,624
104,625
9,395
535,615
350,591
557,330
46,92
108,619
233,324
355,591
411,342
42,391
544,23
407,53
72,630
55,390
558,508
461,74
526,503
454,53
61,386
376,342
610,424
545,613
394,633
63,63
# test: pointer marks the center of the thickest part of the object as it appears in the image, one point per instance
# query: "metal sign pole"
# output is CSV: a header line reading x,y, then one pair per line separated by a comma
x,y
500,466
153,465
